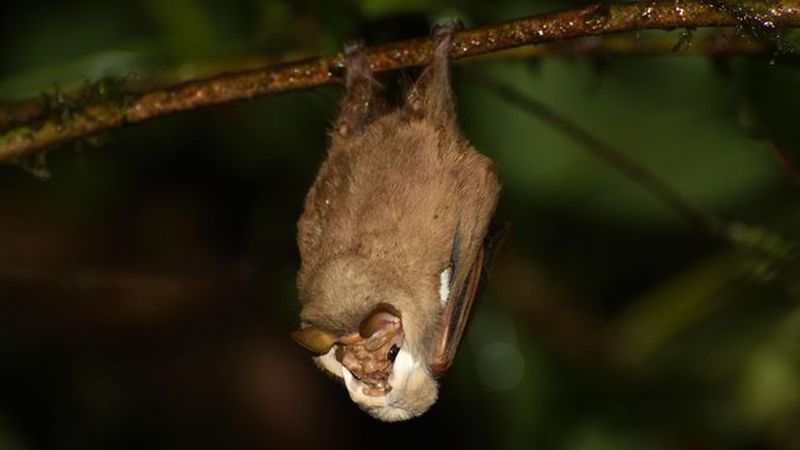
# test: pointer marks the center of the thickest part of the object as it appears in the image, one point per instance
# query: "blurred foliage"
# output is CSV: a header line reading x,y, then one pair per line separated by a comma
x,y
147,288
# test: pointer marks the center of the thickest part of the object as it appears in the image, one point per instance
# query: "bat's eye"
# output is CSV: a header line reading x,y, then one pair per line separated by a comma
x,y
393,353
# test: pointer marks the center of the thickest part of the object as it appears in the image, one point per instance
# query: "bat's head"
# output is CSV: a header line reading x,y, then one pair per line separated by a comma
x,y
382,369
390,353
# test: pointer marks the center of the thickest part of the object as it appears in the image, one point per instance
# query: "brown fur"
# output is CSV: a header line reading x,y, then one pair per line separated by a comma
x,y
380,220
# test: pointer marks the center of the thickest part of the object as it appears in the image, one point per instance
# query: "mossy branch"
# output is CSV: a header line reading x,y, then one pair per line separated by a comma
x,y
35,132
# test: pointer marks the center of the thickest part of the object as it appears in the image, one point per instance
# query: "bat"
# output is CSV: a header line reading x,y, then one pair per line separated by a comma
x,y
393,239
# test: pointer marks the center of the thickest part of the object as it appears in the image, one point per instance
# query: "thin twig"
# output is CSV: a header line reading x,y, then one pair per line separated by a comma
x,y
776,253
604,151
594,20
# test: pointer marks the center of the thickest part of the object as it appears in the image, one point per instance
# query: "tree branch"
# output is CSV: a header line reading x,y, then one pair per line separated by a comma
x,y
722,42
24,139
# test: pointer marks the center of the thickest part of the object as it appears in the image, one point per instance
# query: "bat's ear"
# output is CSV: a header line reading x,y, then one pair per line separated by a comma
x,y
383,316
314,339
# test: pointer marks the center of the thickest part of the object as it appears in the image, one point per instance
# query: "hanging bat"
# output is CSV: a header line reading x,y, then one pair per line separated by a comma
x,y
392,240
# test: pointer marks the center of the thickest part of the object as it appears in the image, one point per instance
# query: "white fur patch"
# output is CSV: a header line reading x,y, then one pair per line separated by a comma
x,y
385,407
328,362
444,285
404,365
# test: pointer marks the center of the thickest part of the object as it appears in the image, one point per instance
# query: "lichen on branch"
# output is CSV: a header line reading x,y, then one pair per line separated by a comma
x,y
26,130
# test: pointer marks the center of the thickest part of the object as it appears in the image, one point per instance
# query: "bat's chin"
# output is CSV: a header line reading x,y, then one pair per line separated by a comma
x,y
411,391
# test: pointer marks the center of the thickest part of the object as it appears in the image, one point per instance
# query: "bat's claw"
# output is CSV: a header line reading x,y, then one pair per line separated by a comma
x,y
443,30
356,67
447,25
353,48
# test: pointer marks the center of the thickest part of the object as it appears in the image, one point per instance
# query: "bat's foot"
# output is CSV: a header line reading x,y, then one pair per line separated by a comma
x,y
447,25
360,103
356,66
353,47
442,32
430,97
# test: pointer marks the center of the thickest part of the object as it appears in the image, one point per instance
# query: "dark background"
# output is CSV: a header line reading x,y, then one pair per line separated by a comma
x,y
147,287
